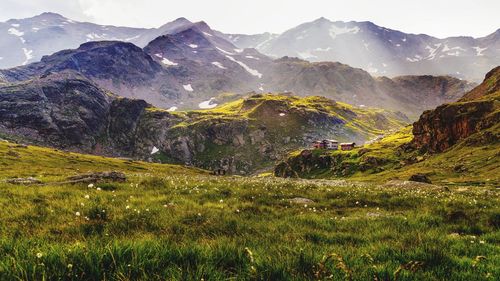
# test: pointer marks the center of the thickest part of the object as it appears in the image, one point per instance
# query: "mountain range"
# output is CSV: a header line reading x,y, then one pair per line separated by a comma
x,y
190,66
379,50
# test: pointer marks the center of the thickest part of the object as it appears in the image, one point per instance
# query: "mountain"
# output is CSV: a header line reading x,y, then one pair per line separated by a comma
x,y
382,51
27,40
24,41
194,66
408,94
179,70
379,50
68,111
457,142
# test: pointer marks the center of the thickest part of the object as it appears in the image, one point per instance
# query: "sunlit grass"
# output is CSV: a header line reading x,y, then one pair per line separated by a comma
x,y
173,223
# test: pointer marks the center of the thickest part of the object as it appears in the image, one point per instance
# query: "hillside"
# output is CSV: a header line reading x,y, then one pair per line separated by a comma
x,y
165,220
66,110
454,143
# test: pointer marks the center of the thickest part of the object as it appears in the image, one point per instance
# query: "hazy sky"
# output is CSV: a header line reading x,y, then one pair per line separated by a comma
x,y
440,18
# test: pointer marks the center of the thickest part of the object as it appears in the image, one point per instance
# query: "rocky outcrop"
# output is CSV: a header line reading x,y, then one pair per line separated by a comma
x,y
309,163
443,127
64,110
439,129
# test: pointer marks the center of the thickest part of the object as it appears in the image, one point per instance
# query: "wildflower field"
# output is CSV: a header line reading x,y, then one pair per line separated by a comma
x,y
171,223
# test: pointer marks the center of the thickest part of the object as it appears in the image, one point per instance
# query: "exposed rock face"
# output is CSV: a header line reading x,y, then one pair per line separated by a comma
x,y
65,110
308,161
420,178
441,128
112,176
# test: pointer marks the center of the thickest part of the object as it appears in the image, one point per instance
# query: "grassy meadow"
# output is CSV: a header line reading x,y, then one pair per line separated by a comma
x,y
173,223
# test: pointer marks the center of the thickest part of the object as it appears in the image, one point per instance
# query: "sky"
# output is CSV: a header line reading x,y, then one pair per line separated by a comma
x,y
439,18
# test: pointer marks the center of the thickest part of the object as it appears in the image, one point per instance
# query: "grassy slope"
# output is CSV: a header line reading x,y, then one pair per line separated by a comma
x,y
172,223
259,110
51,165
480,163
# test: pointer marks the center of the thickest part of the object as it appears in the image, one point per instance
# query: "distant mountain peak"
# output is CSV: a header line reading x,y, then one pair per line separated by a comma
x,y
322,20
50,15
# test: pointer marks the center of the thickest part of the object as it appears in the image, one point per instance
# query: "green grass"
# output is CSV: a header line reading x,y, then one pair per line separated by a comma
x,y
172,223
471,162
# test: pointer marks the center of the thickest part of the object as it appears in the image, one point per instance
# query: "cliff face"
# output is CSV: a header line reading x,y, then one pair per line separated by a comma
x,y
62,110
441,128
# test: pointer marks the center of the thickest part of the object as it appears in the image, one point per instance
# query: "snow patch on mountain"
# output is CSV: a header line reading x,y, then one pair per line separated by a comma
x,y
193,46
172,108
188,87
252,57
224,51
207,34
154,150
432,51
94,36
28,54
218,64
208,104
248,69
132,38
323,49
166,61
335,30
479,51
306,55
15,32
414,59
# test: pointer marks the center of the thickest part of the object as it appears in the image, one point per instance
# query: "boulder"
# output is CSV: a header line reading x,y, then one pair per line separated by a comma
x,y
24,181
420,178
98,177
